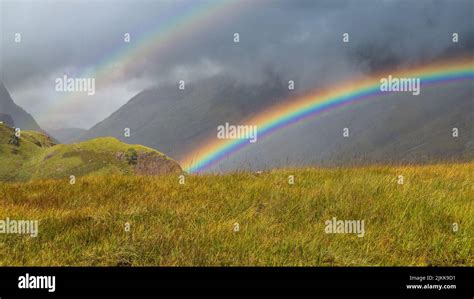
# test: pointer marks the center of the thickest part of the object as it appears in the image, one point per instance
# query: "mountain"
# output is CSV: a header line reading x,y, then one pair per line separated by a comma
x,y
66,135
393,128
34,155
175,121
396,128
20,117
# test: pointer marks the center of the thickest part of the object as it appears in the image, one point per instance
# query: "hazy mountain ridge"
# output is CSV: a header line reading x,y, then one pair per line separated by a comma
x,y
178,120
20,117
396,128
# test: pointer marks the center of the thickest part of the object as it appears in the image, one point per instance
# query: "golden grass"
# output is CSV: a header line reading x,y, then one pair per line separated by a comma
x,y
280,224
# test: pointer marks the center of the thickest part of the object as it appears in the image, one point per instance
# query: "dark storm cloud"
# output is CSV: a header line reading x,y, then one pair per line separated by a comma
x,y
299,40
62,34
302,39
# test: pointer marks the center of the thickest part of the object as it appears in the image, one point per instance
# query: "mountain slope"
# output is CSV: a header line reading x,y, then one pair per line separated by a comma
x,y
21,118
393,128
176,121
34,155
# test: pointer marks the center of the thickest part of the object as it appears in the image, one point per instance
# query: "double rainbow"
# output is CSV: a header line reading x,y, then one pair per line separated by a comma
x,y
321,101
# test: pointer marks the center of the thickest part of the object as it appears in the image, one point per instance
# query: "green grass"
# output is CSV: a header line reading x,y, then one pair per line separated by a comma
x,y
280,224
37,157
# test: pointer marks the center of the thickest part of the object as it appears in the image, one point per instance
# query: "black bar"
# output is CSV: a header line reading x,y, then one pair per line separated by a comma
x,y
196,282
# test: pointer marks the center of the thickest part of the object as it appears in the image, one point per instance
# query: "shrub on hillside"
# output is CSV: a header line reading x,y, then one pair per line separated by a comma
x,y
131,156
14,140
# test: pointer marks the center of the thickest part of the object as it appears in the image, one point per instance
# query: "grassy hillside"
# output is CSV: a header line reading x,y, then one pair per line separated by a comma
x,y
280,224
34,156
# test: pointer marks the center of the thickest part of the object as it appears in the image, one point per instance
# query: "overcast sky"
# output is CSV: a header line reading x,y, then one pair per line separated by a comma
x,y
295,39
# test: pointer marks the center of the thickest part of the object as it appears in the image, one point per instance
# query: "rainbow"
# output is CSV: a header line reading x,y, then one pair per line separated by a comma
x,y
322,101
184,20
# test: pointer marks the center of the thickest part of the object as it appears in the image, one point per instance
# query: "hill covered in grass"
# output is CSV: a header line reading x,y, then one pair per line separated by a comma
x,y
34,155
243,219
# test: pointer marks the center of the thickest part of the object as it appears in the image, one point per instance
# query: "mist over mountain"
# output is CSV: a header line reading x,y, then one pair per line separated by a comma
x,y
229,82
176,121
393,128
301,39
18,115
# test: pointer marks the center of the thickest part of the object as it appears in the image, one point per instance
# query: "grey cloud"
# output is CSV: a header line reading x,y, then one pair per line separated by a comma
x,y
298,40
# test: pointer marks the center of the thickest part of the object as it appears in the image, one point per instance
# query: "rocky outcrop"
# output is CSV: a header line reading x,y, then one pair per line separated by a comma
x,y
154,163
